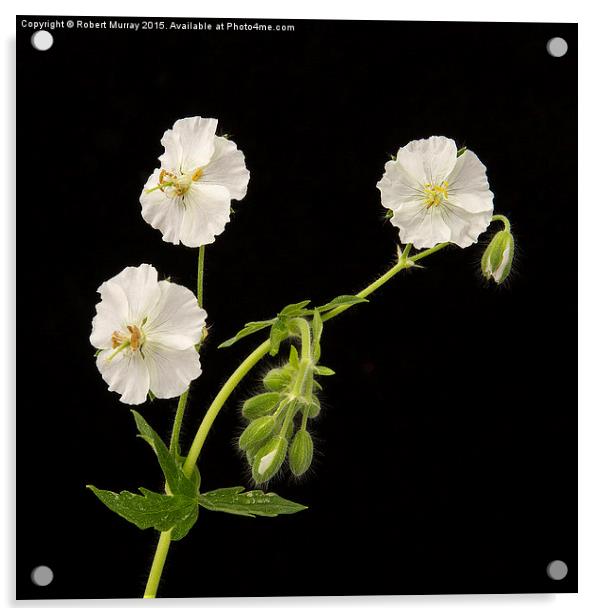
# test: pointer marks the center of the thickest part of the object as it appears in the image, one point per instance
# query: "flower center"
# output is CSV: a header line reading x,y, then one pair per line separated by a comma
x,y
434,194
176,184
133,339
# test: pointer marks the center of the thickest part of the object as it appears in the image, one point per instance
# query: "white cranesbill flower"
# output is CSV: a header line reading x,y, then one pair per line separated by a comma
x,y
146,332
188,197
435,195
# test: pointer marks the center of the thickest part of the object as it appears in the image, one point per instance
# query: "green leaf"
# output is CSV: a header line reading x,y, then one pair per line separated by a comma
x,y
247,330
152,510
278,334
294,310
341,300
174,476
252,503
323,371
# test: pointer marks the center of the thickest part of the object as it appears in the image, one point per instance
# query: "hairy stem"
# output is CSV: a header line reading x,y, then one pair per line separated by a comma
x,y
503,219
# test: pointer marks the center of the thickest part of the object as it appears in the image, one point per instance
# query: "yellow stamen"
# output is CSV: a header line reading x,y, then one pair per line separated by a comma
x,y
434,194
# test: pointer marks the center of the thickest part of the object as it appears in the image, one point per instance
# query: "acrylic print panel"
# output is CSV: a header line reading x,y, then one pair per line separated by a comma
x,y
429,168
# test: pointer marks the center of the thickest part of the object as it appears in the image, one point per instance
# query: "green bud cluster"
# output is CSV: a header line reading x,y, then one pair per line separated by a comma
x,y
278,416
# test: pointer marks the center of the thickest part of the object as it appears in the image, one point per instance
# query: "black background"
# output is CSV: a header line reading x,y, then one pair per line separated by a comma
x,y
447,445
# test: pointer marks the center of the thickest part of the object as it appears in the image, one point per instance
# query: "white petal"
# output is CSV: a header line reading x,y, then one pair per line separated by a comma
x,y
207,211
397,186
469,175
171,370
141,288
227,168
126,374
190,144
465,226
111,314
162,212
424,227
429,160
176,321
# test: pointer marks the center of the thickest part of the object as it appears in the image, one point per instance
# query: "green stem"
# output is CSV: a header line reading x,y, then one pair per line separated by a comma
x,y
303,327
502,219
154,577
218,402
403,263
174,444
177,423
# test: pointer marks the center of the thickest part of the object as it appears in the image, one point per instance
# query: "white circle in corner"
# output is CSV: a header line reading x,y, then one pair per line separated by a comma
x,y
557,47
42,40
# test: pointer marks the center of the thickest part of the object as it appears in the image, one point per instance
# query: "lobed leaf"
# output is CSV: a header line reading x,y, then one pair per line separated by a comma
x,y
152,510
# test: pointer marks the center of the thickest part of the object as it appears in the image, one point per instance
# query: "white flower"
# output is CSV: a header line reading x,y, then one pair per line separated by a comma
x,y
146,332
435,195
188,198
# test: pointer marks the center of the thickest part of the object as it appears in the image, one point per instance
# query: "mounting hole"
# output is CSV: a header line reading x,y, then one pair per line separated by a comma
x,y
42,575
42,40
557,47
557,570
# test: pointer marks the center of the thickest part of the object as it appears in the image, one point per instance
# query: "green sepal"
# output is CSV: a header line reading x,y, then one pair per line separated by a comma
x,y
152,510
257,432
389,214
260,405
269,459
247,330
278,379
251,504
293,357
300,453
324,371
461,151
313,408
341,300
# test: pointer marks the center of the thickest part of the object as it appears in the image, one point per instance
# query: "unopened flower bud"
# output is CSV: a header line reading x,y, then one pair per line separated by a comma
x,y
278,379
301,453
269,459
256,432
497,258
260,405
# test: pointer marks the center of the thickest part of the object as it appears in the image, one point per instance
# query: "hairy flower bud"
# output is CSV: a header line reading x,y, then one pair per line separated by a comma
x,y
497,258
301,453
256,432
260,405
269,459
278,379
